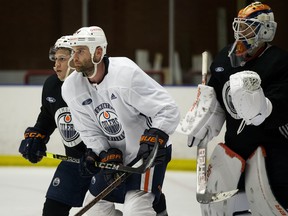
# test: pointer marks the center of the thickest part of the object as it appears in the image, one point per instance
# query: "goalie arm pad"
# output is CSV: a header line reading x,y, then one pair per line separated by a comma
x,y
248,97
205,119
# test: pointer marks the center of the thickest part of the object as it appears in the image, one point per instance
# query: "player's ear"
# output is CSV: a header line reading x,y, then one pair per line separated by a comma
x,y
98,54
98,51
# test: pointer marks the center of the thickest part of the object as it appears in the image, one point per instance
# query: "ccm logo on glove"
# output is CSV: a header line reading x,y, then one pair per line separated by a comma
x,y
34,135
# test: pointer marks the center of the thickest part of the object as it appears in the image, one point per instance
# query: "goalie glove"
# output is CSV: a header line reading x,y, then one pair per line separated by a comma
x,y
248,97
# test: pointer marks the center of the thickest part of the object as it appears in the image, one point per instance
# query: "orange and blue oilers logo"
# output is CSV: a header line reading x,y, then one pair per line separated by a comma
x,y
63,119
67,118
109,122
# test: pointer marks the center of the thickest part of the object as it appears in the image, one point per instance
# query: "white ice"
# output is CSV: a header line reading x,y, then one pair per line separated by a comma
x,y
23,189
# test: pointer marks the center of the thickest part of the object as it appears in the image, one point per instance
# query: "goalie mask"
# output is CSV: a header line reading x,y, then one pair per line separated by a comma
x,y
92,37
254,26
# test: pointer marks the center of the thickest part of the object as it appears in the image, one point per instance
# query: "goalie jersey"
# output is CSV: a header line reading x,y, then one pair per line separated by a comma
x,y
272,67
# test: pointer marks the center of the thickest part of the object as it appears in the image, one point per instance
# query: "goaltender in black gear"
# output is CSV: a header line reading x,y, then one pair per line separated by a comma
x,y
255,115
249,80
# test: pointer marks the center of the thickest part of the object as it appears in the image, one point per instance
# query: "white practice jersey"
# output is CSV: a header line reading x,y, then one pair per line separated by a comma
x,y
116,112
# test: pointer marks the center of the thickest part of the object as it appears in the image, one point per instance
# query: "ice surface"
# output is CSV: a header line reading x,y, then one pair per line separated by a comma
x,y
23,189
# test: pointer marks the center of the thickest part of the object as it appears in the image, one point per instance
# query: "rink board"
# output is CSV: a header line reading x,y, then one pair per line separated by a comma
x,y
20,106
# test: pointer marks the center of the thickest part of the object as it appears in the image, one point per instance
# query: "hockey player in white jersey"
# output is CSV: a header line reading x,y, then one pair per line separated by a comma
x,y
250,83
118,110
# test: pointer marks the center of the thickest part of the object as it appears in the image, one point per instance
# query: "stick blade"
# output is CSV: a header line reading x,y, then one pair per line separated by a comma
x,y
207,197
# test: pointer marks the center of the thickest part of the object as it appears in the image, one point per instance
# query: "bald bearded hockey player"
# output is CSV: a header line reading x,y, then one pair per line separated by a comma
x,y
119,111
249,85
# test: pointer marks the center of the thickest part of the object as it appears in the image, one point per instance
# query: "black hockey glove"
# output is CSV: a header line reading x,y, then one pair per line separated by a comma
x,y
87,163
147,142
34,144
114,156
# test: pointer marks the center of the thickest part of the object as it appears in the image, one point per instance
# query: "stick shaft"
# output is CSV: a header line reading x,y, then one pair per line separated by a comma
x,y
202,147
204,67
104,193
119,167
204,77
202,195
201,168
61,157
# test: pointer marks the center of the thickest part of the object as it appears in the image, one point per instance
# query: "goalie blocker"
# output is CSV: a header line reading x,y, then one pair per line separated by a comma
x,y
224,171
205,118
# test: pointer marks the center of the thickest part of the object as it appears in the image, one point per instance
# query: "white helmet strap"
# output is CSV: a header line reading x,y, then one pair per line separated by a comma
x,y
95,63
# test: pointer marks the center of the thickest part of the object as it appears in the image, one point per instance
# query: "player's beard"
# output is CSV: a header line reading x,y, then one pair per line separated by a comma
x,y
87,68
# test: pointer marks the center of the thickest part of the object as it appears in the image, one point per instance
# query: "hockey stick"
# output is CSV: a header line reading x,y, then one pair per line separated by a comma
x,y
104,193
118,167
118,181
202,195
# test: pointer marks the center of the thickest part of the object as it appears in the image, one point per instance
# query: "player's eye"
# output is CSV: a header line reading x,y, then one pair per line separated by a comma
x,y
61,59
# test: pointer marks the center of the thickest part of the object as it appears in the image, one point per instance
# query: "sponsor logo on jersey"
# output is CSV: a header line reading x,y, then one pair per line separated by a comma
x,y
219,69
113,96
63,119
109,122
51,99
87,102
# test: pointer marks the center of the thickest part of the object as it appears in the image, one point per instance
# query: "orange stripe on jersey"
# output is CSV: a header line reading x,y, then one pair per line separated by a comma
x,y
146,180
